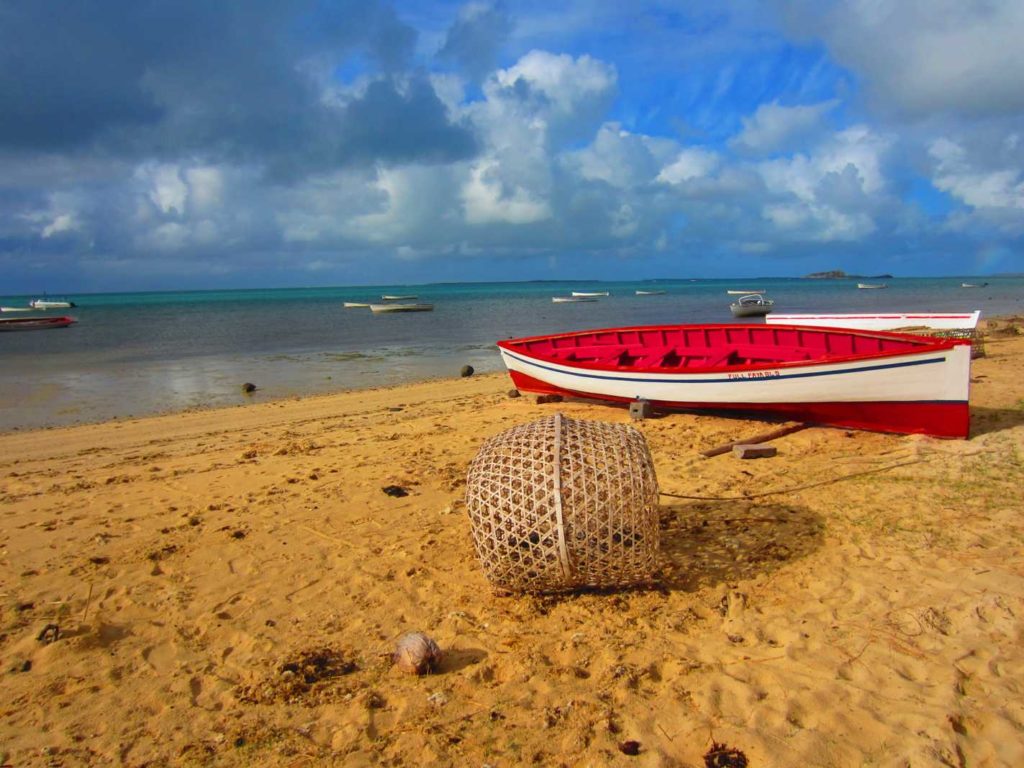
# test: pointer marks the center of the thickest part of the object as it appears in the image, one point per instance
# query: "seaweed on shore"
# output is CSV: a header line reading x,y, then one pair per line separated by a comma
x,y
723,756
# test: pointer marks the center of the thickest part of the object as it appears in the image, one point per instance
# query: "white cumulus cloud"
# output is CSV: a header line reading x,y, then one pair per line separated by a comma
x,y
691,163
977,187
773,128
926,56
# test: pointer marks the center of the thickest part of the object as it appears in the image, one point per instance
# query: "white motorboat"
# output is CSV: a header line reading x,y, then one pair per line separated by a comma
x,y
745,293
51,304
571,299
874,286
650,293
586,294
751,305
394,297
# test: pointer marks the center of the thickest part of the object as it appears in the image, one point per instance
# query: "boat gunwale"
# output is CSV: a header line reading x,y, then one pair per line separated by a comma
x,y
919,345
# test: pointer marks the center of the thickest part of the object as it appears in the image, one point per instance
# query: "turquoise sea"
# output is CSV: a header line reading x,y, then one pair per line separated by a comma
x,y
132,354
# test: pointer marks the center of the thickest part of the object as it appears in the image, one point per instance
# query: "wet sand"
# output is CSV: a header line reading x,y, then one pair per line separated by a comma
x,y
227,586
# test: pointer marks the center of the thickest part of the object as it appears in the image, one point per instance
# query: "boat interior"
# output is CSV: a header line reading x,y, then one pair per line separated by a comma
x,y
727,346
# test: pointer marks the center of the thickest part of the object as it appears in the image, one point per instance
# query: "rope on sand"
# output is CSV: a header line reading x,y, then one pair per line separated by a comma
x,y
795,488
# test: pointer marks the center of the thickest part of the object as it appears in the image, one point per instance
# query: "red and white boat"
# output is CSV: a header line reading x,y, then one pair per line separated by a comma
x,y
34,323
888,382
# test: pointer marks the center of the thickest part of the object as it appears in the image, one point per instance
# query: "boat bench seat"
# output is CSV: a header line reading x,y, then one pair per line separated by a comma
x,y
767,353
591,354
651,358
721,357
682,357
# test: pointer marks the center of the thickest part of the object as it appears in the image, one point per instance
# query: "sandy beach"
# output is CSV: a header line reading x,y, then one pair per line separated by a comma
x,y
225,588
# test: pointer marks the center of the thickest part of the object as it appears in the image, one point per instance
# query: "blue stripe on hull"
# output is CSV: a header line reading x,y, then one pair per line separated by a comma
x,y
667,380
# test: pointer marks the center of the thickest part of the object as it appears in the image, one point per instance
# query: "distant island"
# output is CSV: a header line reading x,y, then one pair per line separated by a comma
x,y
838,274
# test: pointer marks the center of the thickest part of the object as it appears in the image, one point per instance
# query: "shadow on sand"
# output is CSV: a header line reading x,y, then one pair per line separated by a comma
x,y
987,420
707,543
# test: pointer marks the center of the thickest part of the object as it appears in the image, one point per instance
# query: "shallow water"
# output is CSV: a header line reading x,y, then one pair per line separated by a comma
x,y
132,354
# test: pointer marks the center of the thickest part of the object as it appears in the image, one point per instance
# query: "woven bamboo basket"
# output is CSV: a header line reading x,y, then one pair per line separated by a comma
x,y
559,504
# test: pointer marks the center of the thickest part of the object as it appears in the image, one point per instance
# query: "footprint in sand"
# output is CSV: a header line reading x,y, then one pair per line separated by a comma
x,y
161,657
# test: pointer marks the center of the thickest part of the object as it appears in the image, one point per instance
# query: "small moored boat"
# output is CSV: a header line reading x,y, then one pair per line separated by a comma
x,y
378,308
34,323
393,297
355,304
650,293
874,286
973,285
585,294
751,305
744,293
888,382
572,299
51,304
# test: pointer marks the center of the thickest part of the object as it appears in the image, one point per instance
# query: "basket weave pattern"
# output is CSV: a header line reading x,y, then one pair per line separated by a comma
x,y
561,503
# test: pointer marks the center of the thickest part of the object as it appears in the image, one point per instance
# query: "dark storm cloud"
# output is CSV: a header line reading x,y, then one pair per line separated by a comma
x,y
474,40
404,125
65,74
234,80
394,121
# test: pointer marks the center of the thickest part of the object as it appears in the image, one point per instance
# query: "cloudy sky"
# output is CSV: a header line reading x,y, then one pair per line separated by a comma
x,y
152,144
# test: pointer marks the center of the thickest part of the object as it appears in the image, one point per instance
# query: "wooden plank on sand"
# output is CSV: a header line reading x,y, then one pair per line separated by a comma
x,y
758,439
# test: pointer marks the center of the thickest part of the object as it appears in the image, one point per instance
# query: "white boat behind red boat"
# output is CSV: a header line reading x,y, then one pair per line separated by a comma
x,y
879,381
884,321
35,323
751,305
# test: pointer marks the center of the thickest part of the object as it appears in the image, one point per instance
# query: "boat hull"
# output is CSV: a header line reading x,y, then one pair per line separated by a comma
x,y
922,392
35,323
950,420
753,310
390,308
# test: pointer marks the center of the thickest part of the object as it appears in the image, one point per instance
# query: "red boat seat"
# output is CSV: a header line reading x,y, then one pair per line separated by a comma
x,y
721,357
769,354
650,358
685,357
